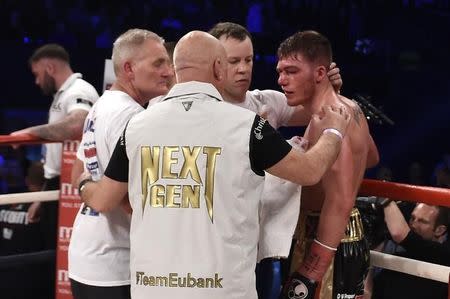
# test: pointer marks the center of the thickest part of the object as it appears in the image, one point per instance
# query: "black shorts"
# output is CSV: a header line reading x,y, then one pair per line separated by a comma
x,y
84,291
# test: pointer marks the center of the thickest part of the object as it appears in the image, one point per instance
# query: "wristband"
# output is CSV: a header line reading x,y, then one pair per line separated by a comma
x,y
385,202
83,184
326,246
333,131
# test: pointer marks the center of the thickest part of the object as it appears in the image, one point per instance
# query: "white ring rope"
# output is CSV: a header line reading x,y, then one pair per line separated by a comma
x,y
410,266
377,259
15,198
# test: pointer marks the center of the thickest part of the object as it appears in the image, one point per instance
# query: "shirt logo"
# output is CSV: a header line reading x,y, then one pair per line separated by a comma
x,y
161,165
258,130
83,101
187,105
57,107
175,280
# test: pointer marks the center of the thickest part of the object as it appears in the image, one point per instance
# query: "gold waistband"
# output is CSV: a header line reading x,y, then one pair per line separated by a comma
x,y
354,230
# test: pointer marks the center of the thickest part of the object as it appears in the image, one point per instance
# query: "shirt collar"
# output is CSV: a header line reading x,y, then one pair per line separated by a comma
x,y
69,81
193,87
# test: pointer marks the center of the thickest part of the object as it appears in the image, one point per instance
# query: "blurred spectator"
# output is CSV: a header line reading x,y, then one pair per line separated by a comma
x,y
19,236
424,238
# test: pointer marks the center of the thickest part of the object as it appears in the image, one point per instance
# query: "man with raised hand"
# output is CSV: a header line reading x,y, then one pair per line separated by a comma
x,y
304,60
193,166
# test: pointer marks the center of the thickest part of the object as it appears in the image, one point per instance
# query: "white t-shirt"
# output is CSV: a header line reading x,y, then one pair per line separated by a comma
x,y
271,103
195,166
99,250
280,207
280,202
75,93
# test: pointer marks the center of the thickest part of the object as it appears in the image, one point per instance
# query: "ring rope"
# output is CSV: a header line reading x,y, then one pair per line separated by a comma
x,y
395,191
23,139
398,191
410,266
16,198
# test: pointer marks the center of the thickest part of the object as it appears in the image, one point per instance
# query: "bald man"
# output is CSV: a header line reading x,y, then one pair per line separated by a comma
x,y
193,166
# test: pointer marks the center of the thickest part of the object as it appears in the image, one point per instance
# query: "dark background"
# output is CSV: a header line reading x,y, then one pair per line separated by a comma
x,y
393,52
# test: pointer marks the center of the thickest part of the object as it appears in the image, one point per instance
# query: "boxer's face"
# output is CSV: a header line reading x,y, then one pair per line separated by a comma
x,y
152,70
240,67
296,78
42,78
423,220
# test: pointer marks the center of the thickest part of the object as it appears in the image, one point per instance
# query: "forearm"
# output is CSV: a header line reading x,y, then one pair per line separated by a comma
x,y
334,219
104,195
77,170
307,168
396,223
71,127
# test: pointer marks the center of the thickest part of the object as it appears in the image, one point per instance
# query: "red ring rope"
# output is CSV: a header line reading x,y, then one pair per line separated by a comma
x,y
398,191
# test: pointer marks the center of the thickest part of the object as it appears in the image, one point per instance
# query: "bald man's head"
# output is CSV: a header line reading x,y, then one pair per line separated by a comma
x,y
199,56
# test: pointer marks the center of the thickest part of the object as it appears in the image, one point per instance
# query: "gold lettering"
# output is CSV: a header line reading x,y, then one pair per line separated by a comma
x,y
161,280
152,281
200,283
191,281
211,153
190,194
146,280
182,282
190,163
172,190
209,283
139,277
168,161
173,280
217,281
157,196
149,169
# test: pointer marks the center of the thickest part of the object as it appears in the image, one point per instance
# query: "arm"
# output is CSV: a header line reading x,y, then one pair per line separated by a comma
x,y
104,195
70,127
77,170
109,192
308,168
396,223
334,75
338,186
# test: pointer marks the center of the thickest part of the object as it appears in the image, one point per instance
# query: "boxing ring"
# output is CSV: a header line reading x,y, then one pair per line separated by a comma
x,y
69,202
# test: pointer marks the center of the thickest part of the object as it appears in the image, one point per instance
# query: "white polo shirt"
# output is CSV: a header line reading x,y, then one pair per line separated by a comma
x,y
99,250
75,93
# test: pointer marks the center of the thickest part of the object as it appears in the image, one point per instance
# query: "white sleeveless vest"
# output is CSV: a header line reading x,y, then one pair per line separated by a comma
x,y
194,228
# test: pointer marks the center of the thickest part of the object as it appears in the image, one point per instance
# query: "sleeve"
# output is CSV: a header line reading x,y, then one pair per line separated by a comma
x,y
120,122
118,164
81,99
80,150
267,146
426,250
